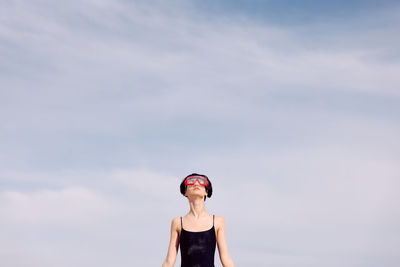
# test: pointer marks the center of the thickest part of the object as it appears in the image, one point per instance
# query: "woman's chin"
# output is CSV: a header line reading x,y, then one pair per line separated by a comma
x,y
196,195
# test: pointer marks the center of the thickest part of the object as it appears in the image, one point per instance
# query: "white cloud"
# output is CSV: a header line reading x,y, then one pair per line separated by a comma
x,y
92,218
53,206
138,94
284,209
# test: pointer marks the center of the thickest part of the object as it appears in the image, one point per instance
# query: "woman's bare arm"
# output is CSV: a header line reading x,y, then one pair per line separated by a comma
x,y
173,244
221,241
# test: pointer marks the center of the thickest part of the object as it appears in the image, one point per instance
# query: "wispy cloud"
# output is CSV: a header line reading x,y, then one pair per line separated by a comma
x,y
106,105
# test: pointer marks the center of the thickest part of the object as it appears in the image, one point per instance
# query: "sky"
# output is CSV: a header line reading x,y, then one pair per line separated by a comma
x,y
292,108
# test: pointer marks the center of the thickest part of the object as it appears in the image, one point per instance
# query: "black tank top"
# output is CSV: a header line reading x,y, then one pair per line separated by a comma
x,y
197,248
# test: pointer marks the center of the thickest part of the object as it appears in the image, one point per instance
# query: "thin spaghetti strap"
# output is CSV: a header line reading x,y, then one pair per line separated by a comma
x,y
181,223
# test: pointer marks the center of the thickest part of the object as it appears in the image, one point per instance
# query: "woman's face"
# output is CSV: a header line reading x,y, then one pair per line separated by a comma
x,y
196,190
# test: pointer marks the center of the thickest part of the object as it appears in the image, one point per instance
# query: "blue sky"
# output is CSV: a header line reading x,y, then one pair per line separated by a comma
x,y
291,11
290,107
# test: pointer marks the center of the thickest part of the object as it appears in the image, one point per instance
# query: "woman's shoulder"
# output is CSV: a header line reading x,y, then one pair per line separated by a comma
x,y
176,221
218,217
219,220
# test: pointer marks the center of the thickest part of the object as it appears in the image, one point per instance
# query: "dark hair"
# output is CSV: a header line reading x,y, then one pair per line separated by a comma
x,y
208,187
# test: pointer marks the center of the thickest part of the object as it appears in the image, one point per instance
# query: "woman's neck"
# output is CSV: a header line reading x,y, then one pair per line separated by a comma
x,y
197,208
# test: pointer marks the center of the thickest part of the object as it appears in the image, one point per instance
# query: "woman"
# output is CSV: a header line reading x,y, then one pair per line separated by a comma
x,y
198,232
